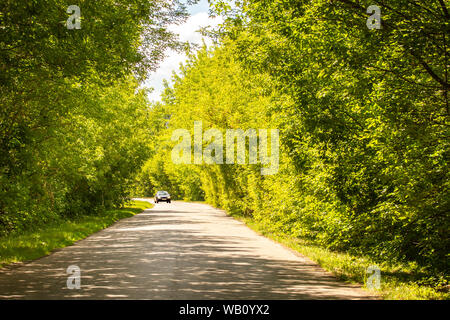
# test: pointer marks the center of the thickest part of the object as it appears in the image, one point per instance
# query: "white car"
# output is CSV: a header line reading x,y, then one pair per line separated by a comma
x,y
162,196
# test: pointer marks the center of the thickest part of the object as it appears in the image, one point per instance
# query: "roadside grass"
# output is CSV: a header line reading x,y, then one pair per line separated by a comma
x,y
398,281
34,244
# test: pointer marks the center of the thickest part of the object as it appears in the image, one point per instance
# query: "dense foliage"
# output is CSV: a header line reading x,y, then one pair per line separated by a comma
x,y
72,116
363,116
364,122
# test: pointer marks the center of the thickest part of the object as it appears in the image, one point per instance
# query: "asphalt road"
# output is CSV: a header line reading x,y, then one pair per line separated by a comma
x,y
176,251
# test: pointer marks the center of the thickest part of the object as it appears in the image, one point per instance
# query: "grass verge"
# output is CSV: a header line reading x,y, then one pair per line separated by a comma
x,y
398,282
37,243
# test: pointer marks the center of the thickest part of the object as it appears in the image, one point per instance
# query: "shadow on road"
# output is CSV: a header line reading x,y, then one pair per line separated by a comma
x,y
158,255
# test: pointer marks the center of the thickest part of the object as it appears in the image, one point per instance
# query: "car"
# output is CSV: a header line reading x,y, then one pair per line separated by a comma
x,y
162,196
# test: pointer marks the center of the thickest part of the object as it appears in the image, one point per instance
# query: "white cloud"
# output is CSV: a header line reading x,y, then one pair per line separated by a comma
x,y
187,32
164,71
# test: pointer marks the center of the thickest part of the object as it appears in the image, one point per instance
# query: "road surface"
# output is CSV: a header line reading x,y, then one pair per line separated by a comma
x,y
175,251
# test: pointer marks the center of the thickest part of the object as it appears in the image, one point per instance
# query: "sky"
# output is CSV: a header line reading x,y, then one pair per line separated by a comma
x,y
187,32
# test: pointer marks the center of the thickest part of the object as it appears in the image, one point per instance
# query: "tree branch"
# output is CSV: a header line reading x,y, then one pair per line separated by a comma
x,y
430,71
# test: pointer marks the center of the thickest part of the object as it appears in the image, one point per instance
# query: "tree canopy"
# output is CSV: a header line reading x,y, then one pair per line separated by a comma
x,y
362,112
363,115
73,117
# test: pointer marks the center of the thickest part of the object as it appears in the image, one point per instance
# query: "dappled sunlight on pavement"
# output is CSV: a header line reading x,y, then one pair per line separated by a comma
x,y
176,251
